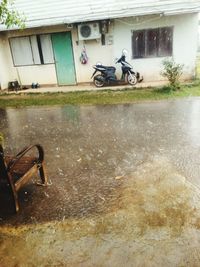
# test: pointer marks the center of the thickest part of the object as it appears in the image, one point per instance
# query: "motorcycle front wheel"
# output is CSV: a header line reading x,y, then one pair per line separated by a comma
x,y
98,82
131,79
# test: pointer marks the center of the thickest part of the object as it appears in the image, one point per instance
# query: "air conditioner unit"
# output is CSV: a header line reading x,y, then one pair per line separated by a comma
x,y
88,31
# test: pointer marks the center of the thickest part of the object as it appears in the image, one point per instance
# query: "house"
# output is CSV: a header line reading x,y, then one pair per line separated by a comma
x,y
58,33
199,35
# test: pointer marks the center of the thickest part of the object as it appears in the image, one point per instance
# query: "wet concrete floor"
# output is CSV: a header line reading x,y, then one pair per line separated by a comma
x,y
124,187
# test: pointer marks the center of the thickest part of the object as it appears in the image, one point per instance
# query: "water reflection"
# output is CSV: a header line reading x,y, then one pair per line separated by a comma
x,y
194,120
71,113
88,146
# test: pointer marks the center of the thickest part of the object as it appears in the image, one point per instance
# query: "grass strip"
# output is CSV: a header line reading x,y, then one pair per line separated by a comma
x,y
97,97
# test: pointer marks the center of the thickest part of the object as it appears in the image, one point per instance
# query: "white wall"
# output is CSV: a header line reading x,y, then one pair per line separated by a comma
x,y
95,52
199,37
6,70
42,74
46,74
184,42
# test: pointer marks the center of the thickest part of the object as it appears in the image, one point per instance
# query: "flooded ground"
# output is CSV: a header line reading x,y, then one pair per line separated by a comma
x,y
124,187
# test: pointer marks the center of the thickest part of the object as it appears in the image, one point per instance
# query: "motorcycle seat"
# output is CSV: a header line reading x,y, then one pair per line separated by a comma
x,y
109,68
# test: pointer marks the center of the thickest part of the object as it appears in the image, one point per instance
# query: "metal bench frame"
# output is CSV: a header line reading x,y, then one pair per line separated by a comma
x,y
17,170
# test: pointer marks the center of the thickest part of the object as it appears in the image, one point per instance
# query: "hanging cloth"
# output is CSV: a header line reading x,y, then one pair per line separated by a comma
x,y
84,57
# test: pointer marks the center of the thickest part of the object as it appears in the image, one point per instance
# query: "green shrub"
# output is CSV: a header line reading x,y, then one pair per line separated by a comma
x,y
172,71
1,139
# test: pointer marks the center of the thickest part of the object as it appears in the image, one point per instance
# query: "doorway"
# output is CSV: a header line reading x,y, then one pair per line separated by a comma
x,y
64,59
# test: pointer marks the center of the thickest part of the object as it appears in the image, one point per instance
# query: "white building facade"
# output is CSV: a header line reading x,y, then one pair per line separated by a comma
x,y
49,50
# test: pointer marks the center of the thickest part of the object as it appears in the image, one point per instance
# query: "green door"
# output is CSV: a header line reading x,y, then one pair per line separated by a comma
x,y
62,46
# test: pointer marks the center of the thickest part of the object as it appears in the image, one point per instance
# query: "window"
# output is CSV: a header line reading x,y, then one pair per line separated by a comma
x,y
21,51
32,50
46,48
152,42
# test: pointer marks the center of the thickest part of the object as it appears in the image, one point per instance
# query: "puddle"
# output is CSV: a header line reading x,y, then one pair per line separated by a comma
x,y
124,186
154,221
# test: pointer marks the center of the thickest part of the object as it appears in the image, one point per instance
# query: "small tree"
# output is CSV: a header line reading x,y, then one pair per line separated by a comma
x,y
172,71
9,16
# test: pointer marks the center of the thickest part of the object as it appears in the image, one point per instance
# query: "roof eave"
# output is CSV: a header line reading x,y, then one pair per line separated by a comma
x,y
61,21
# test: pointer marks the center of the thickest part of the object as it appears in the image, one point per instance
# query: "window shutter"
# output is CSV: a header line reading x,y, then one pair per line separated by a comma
x,y
165,41
34,45
152,42
21,51
138,44
47,50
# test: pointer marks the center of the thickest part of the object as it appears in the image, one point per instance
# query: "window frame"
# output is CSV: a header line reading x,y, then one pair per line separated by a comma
x,y
13,57
34,64
146,47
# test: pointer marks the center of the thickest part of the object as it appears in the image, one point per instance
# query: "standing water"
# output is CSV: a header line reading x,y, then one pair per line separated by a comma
x,y
123,186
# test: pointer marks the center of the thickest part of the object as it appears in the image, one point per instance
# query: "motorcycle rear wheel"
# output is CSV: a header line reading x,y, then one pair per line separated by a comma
x,y
131,79
98,82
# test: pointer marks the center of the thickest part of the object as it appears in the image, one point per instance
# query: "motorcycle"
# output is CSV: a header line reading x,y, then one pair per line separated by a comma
x,y
107,74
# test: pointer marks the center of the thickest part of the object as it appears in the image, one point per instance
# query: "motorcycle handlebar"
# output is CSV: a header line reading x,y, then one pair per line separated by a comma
x,y
122,58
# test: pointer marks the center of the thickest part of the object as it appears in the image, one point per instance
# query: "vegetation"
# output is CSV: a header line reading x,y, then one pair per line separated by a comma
x,y
198,66
172,71
1,139
9,16
98,97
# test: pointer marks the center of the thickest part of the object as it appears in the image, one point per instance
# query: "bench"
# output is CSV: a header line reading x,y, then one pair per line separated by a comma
x,y
16,171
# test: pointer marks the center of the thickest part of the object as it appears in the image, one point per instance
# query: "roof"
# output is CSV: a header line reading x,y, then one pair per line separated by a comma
x,y
54,12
